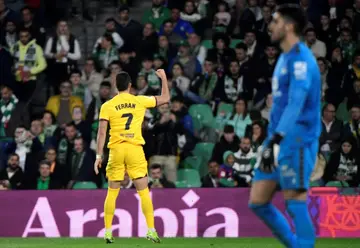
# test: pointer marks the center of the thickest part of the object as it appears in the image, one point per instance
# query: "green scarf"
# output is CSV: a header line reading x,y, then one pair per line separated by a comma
x,y
49,131
77,161
62,151
94,129
79,91
207,87
43,185
6,110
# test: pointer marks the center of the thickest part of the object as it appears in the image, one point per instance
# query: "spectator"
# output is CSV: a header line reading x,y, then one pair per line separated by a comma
x,y
353,126
149,73
149,41
168,31
11,36
63,51
222,18
50,157
331,130
174,90
36,130
228,142
265,112
254,50
78,89
129,29
12,176
327,32
352,74
165,148
159,62
49,124
190,13
245,160
29,61
196,49
158,180
226,172
354,96
36,31
105,53
83,127
82,160
62,105
258,135
262,25
90,77
240,118
127,183
94,107
211,180
181,27
348,46
143,87
129,63
114,68
190,64
12,113
6,75
203,86
323,67
157,14
45,180
317,46
166,50
110,29
181,82
344,164
6,14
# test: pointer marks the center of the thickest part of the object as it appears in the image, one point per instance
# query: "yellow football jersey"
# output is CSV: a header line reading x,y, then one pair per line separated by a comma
x,y
125,113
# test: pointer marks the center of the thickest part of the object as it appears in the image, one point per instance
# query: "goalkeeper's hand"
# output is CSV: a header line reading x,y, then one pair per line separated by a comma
x,y
267,163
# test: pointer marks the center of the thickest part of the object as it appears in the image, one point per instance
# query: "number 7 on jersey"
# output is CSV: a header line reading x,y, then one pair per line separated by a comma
x,y
129,117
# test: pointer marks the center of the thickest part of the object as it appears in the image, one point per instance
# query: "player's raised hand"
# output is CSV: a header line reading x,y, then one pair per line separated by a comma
x,y
97,165
161,74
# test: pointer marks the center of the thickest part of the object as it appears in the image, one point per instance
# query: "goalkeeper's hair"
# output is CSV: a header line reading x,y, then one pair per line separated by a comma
x,y
295,15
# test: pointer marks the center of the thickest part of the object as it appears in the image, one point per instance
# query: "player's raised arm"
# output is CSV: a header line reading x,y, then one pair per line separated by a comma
x,y
300,82
165,94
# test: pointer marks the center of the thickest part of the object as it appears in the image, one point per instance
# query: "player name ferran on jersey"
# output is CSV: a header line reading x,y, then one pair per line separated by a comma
x,y
125,105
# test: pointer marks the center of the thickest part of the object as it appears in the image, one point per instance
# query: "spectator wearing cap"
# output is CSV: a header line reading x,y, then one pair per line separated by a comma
x,y
149,73
105,53
63,51
45,180
166,49
180,27
129,29
317,46
110,29
157,14
196,49
143,87
221,53
190,64
149,41
90,77
79,89
37,31
62,105
168,31
103,95
29,62
228,142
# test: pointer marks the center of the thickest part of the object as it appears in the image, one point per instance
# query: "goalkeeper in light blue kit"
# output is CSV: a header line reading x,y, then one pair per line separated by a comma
x,y
293,131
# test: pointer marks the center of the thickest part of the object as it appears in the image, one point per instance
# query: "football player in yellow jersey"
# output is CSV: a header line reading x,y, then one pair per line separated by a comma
x,y
125,114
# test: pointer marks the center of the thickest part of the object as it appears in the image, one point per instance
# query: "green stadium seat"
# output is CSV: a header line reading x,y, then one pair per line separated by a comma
x,y
192,162
181,184
189,177
202,116
105,185
226,108
342,112
85,185
207,44
204,150
234,42
337,184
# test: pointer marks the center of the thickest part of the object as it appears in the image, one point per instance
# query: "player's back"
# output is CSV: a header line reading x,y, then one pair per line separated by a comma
x,y
126,114
297,70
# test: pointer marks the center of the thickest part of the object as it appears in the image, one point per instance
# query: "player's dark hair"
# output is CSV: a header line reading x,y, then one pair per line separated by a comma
x,y
294,14
155,167
122,81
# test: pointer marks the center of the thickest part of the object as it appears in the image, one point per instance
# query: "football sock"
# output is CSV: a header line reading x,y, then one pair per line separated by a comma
x,y
305,231
277,222
147,207
109,207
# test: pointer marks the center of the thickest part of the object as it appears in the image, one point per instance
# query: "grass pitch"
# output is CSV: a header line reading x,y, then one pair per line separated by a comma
x,y
166,243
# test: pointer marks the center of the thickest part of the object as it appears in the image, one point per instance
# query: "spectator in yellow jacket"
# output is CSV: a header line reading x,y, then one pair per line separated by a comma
x,y
29,61
62,106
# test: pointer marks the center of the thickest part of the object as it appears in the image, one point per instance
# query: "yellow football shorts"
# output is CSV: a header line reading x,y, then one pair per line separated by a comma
x,y
126,157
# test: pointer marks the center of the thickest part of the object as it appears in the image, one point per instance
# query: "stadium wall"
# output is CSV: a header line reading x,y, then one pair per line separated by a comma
x,y
179,213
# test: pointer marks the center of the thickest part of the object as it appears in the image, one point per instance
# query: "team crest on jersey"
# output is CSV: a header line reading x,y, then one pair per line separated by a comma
x,y
275,87
300,70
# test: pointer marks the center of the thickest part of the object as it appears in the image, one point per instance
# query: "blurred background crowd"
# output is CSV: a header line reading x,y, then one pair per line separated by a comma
x,y
57,58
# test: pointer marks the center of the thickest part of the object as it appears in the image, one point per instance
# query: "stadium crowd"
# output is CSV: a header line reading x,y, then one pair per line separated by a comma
x,y
219,60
